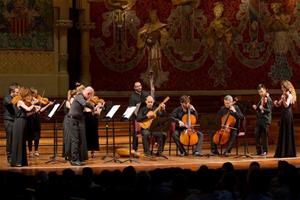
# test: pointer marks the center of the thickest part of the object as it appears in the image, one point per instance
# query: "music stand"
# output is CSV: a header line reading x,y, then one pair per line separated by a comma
x,y
127,115
54,110
110,116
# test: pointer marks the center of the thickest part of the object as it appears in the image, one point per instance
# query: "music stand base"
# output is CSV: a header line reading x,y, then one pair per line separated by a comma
x,y
243,156
114,160
106,156
131,160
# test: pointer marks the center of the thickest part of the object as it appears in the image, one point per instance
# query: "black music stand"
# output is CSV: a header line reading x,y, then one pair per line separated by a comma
x,y
127,115
55,109
109,117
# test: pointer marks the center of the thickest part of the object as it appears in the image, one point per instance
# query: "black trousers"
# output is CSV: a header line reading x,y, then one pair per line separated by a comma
x,y
8,125
146,134
230,143
176,138
77,139
261,137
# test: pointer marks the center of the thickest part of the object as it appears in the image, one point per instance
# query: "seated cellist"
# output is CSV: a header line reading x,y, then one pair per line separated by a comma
x,y
229,109
177,116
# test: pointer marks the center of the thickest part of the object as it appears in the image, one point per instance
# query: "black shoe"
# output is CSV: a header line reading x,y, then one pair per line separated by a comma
x,y
197,153
214,153
182,154
226,153
264,154
76,163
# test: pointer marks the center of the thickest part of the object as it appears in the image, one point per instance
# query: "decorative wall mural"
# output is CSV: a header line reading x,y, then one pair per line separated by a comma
x,y
186,25
119,24
26,24
200,45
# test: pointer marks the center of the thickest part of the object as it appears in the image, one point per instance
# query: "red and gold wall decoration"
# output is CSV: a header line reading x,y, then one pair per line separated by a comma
x,y
194,44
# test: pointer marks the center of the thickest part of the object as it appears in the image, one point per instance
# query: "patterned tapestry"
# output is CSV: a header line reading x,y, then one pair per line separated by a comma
x,y
194,44
26,24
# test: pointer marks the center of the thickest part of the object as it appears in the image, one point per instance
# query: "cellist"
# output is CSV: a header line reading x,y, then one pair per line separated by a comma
x,y
229,108
176,115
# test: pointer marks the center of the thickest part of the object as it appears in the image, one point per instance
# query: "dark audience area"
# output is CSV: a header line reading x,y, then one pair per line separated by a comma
x,y
225,183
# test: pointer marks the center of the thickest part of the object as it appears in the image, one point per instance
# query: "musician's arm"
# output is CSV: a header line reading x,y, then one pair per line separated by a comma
x,y
268,106
142,115
238,114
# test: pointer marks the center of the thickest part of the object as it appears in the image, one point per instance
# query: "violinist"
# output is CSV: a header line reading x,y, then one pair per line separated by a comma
x,y
146,112
177,115
9,116
92,124
75,127
23,107
232,109
263,120
286,139
34,123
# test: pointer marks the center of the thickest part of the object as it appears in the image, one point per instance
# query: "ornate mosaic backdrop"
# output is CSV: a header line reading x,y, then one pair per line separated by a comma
x,y
194,44
26,24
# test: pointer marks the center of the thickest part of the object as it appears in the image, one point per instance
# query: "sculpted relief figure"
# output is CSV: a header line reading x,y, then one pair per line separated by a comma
x,y
219,38
152,37
278,26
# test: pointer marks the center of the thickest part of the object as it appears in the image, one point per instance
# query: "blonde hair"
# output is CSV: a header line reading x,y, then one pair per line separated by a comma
x,y
289,87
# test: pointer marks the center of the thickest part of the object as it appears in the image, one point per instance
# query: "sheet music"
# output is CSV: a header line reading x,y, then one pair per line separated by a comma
x,y
54,109
129,111
112,111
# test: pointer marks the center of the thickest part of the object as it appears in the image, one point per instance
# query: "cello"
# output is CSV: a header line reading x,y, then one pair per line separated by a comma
x,y
222,136
189,136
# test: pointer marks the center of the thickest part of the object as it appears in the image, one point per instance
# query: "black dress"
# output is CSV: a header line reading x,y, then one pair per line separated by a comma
x,y
91,131
286,141
18,156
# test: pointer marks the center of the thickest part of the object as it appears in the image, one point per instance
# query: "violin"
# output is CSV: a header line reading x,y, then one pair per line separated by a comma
x,y
189,136
15,99
222,135
42,100
95,100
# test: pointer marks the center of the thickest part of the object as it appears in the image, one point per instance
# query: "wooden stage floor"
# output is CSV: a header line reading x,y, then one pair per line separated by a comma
x,y
188,162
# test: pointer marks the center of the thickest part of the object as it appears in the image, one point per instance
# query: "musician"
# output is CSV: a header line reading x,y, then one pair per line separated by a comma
x,y
176,115
234,110
91,125
263,120
9,116
75,127
137,97
24,108
146,112
34,122
286,146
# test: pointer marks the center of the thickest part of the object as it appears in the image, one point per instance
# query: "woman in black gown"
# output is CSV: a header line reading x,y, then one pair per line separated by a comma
x,y
286,141
91,125
23,109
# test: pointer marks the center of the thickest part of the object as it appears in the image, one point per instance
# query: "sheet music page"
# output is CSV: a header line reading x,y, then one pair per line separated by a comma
x,y
129,111
55,107
112,111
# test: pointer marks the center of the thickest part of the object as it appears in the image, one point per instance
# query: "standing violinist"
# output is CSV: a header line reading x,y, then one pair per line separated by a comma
x,y
9,116
177,115
229,108
263,121
34,122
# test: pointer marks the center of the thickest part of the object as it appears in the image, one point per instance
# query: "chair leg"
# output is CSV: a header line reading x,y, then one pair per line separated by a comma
x,y
237,146
170,144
